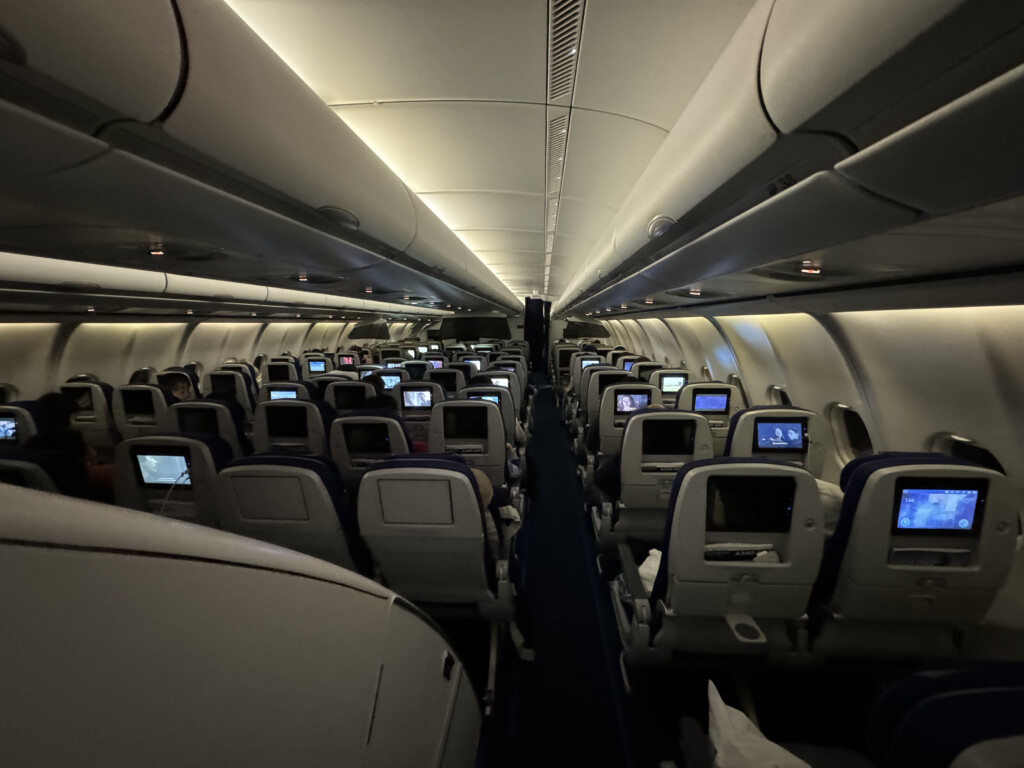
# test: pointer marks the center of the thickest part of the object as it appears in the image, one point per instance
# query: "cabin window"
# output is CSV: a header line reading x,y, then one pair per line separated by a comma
x,y
964,448
778,396
850,432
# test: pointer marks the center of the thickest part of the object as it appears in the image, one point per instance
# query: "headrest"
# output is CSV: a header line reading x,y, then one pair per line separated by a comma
x,y
219,449
736,417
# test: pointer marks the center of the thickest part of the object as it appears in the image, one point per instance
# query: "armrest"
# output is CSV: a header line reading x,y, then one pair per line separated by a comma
x,y
635,585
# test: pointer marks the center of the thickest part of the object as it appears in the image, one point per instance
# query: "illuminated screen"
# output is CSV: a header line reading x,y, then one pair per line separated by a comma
x,y
938,509
779,435
474,363
364,374
436,363
347,360
496,399
628,364
499,381
8,428
507,368
390,381
283,394
422,350
416,398
711,403
673,383
588,363
393,365
317,366
668,437
627,403
161,469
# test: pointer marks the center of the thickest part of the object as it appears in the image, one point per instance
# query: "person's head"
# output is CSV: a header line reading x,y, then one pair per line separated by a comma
x,y
483,484
375,381
181,388
778,432
55,409
793,435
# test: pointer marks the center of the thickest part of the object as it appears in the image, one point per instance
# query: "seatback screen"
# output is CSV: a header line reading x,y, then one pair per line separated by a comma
x,y
507,368
474,362
393,365
349,398
465,423
138,402
436,363
364,373
933,506
711,402
628,365
8,428
564,356
446,379
278,371
390,380
673,382
346,360
587,362
198,420
367,438
780,434
284,394
162,469
286,422
500,381
750,504
81,396
627,402
607,379
317,366
223,386
417,398
668,437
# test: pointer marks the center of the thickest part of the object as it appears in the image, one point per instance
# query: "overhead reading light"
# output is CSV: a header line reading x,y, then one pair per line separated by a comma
x,y
695,291
252,314
298,315
810,268
658,226
648,300
449,306
303,277
90,308
369,289
188,311
405,298
623,306
156,251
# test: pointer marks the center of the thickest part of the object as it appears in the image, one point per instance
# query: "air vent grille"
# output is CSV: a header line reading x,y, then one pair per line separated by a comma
x,y
558,128
564,24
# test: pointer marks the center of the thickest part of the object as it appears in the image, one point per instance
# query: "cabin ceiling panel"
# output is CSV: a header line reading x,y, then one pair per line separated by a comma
x,y
483,240
362,51
606,155
491,210
648,64
456,146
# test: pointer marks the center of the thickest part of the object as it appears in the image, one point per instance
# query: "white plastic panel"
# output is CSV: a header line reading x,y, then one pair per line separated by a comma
x,y
201,286
702,344
963,155
211,343
814,52
244,107
27,348
122,53
722,129
112,351
492,210
18,268
648,64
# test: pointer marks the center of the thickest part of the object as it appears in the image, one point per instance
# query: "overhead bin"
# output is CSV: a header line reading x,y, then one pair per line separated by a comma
x,y
820,211
37,270
31,144
124,56
221,290
966,154
868,67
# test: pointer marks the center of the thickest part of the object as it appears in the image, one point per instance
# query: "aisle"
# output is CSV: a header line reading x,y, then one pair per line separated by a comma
x,y
567,707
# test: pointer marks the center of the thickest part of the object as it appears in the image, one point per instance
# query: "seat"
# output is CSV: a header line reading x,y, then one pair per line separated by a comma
x,y
171,475
53,471
617,402
416,368
600,379
479,362
348,396
500,397
230,386
739,557
141,409
656,444
715,400
392,377
296,502
347,357
365,370
923,545
292,426
315,365
435,360
507,380
449,378
580,363
670,380
474,430
643,369
422,519
93,417
363,438
181,382
394,361
415,401
8,393
625,362
223,418
248,373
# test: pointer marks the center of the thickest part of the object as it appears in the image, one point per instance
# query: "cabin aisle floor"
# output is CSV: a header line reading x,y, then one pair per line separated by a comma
x,y
567,707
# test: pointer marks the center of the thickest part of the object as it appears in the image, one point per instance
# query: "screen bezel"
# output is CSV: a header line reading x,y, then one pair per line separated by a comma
x,y
340,407
488,397
145,450
691,425
428,390
283,394
804,443
677,390
717,479
940,484
321,363
385,376
347,429
715,393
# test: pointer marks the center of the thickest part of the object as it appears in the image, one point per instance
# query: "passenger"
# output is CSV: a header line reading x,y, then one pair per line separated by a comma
x,y
486,491
182,388
99,478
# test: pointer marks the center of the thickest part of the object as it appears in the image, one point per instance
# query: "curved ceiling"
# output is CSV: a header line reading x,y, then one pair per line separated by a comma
x,y
455,96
